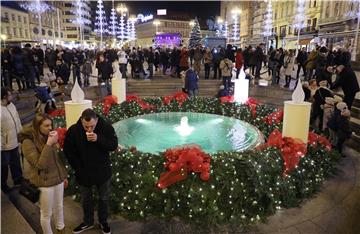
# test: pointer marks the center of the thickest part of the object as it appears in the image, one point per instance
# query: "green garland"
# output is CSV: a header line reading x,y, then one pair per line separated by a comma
x,y
244,187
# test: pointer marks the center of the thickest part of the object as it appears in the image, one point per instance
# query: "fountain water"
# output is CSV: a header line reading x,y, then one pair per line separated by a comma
x,y
184,129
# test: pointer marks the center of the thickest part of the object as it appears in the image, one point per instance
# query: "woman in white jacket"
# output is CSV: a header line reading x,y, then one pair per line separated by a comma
x,y
10,127
288,66
123,60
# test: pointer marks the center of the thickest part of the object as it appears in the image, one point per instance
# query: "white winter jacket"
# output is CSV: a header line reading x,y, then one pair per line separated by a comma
x,y
123,57
10,127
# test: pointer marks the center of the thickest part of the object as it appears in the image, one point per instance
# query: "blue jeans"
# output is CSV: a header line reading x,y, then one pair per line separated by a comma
x,y
10,158
193,92
123,70
88,202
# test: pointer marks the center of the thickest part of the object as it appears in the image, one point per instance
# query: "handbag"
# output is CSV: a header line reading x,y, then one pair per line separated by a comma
x,y
29,191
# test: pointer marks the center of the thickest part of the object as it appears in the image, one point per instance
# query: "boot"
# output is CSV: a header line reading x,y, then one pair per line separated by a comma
x,y
62,231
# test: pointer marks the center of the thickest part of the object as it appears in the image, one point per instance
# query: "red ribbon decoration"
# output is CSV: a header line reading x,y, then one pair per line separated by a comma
x,y
181,161
252,103
275,117
226,99
291,149
139,101
180,97
57,112
314,139
61,136
108,102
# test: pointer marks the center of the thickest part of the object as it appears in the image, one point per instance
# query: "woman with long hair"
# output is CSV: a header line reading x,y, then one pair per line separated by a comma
x,y
47,171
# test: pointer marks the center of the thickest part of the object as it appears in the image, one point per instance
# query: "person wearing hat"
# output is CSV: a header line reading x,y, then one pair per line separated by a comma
x,y
347,80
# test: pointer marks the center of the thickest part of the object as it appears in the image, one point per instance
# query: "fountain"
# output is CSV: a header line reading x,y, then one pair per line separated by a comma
x,y
157,132
184,129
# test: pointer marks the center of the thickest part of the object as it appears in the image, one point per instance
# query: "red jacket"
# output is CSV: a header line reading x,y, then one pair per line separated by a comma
x,y
184,57
239,60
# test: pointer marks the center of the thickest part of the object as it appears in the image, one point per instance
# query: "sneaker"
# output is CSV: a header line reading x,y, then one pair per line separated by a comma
x,y
105,228
82,227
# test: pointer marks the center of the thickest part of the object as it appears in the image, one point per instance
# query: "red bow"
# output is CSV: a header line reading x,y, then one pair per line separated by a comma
x,y
291,149
252,103
108,102
57,112
181,161
139,101
314,139
227,99
61,136
275,117
180,97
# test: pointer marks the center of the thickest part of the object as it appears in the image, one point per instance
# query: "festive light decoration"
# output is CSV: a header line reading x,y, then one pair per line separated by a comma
x,y
121,32
268,20
236,28
132,35
226,29
128,29
82,16
299,19
37,7
230,195
195,35
168,39
113,23
100,21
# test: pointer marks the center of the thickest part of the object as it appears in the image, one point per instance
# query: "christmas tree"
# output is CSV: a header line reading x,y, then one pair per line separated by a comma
x,y
195,35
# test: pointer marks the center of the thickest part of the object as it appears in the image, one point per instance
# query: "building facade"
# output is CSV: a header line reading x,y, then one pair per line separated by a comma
x,y
15,25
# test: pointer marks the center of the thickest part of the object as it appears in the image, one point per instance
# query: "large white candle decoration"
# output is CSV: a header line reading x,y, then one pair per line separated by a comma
x,y
241,88
76,105
118,85
297,115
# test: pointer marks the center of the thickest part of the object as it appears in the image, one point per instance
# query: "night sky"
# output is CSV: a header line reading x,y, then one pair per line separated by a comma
x,y
201,9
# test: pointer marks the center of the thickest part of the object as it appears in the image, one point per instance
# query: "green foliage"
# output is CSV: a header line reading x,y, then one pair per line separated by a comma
x,y
244,187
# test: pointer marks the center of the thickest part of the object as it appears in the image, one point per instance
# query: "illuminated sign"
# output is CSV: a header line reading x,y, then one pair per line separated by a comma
x,y
144,18
161,12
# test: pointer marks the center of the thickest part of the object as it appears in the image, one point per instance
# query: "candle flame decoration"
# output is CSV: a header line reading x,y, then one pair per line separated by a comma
x,y
77,94
241,88
298,94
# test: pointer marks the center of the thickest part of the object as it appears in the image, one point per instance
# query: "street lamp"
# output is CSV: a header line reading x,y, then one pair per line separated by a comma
x,y
235,12
3,38
192,23
156,23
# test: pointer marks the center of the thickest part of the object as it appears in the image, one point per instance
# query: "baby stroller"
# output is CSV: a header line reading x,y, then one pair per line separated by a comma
x,y
46,101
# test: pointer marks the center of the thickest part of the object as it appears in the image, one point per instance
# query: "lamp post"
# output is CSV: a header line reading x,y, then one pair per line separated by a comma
x,y
156,23
353,53
236,13
122,10
192,23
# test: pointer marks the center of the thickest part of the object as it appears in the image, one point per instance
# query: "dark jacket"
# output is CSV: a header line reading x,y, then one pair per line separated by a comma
x,y
319,99
90,160
347,81
63,72
191,81
105,70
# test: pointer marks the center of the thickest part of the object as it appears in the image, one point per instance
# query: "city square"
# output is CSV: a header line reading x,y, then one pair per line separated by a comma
x,y
180,117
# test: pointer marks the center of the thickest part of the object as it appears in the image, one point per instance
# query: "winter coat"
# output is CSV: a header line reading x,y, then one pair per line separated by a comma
x,y
226,67
301,58
46,167
184,58
328,112
239,61
347,81
90,160
105,70
123,57
288,65
10,127
50,58
87,68
198,55
310,62
191,80
207,57
151,57
63,72
319,99
340,124
18,64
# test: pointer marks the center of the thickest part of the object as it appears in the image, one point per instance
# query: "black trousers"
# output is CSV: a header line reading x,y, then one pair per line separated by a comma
x,y
10,158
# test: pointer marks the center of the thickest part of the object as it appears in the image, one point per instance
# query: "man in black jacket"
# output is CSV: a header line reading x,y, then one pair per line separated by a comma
x,y
105,71
348,82
87,145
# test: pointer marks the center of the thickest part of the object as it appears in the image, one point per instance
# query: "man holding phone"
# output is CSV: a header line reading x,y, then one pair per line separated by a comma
x,y
87,145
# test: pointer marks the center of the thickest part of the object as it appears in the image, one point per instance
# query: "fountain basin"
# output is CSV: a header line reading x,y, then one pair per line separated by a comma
x,y
157,132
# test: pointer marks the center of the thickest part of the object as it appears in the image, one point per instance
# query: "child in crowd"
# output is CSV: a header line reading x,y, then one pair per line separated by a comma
x,y
87,71
340,124
328,109
191,83
222,92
